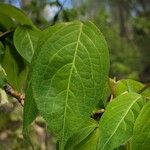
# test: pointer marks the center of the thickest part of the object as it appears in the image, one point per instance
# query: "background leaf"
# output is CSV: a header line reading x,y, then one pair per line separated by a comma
x,y
141,133
69,76
14,67
6,22
117,122
14,13
25,40
11,68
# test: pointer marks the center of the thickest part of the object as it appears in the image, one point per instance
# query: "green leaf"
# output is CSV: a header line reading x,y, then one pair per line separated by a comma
x,y
14,67
81,135
30,112
130,85
69,76
15,14
25,40
11,68
6,21
1,48
30,109
45,34
116,124
90,143
141,132
30,104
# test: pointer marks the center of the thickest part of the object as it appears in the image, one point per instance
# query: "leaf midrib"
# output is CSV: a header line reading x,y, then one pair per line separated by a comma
x,y
69,80
31,44
120,122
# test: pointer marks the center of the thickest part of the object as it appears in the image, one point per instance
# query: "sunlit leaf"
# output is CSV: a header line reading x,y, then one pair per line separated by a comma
x,y
141,133
69,75
129,85
116,124
30,108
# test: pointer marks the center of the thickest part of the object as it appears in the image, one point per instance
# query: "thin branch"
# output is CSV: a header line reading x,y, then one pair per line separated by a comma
x,y
144,88
4,33
61,8
12,92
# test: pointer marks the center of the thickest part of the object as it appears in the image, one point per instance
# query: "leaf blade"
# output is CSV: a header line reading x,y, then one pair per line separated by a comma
x,y
14,13
25,40
63,84
141,131
122,113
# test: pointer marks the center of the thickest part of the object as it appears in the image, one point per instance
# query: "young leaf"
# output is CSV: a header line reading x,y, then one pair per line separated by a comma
x,y
116,124
141,132
15,14
69,76
25,40
130,85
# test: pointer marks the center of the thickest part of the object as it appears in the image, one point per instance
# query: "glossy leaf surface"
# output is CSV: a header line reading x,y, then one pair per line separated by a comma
x,y
130,85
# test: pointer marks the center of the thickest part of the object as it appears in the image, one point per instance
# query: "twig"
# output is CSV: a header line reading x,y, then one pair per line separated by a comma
x,y
144,88
4,33
97,115
12,92
61,8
